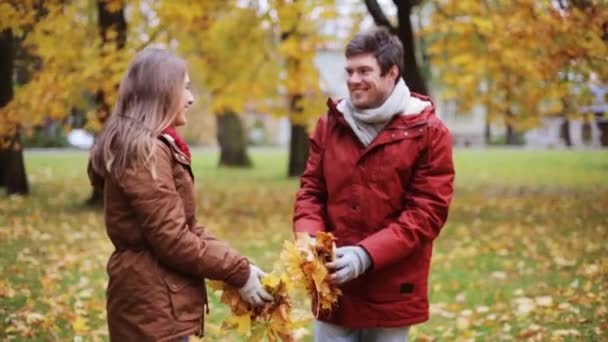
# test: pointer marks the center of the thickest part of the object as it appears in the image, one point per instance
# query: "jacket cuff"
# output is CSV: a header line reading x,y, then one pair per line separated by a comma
x,y
375,245
240,277
312,227
364,257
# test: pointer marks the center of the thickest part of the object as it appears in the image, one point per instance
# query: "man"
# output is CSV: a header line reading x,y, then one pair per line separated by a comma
x,y
380,178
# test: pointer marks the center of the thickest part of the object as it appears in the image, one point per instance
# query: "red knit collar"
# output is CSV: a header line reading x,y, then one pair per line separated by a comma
x,y
179,141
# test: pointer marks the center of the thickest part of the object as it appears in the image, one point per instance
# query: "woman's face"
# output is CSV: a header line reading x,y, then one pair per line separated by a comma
x,y
186,101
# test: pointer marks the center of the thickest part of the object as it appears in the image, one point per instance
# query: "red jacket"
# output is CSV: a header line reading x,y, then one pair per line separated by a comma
x,y
391,198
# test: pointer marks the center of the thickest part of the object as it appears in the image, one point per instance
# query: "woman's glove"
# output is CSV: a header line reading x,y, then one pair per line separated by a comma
x,y
253,292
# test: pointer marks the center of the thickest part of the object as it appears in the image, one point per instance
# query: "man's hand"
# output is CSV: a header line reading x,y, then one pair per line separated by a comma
x,y
253,292
351,262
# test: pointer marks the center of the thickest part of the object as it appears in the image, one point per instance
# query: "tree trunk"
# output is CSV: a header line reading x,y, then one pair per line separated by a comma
x,y
603,126
411,73
108,22
232,140
487,134
564,132
298,144
298,150
510,139
12,167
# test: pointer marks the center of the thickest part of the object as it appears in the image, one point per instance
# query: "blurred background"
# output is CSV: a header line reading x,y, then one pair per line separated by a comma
x,y
521,84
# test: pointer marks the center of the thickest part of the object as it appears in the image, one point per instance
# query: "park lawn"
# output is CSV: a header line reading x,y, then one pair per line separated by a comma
x,y
524,254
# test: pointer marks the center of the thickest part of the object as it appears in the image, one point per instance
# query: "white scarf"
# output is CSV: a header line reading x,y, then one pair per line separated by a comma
x,y
368,123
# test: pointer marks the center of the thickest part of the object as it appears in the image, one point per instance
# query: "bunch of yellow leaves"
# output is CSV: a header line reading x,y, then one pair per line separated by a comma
x,y
305,263
271,321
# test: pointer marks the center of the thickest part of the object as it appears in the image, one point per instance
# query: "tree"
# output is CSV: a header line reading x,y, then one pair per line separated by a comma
x,y
230,55
521,60
299,39
404,30
64,79
113,31
12,167
272,73
232,140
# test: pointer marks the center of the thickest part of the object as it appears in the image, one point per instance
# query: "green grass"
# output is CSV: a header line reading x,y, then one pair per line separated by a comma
x,y
523,255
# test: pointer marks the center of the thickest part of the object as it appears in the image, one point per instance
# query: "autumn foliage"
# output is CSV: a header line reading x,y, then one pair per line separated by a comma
x,y
520,60
272,320
305,261
302,267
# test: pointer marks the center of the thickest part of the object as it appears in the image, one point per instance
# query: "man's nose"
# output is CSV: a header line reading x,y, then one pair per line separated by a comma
x,y
353,78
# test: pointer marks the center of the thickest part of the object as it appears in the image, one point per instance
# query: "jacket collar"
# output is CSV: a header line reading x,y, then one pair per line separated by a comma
x,y
398,121
179,155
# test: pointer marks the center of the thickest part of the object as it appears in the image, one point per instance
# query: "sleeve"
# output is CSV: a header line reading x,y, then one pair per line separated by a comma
x,y
427,201
311,199
160,213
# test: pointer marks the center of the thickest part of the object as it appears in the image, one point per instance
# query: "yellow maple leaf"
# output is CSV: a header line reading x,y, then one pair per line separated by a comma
x,y
271,320
242,322
79,324
305,261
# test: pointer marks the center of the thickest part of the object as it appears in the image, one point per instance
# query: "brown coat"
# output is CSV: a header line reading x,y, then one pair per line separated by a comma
x,y
156,289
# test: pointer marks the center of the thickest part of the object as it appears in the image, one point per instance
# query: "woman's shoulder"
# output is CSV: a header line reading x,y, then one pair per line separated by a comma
x,y
161,159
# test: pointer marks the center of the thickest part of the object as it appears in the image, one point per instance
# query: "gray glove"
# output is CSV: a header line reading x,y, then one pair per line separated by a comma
x,y
351,262
253,292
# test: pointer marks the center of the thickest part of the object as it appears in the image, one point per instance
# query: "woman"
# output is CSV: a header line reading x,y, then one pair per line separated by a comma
x,y
156,289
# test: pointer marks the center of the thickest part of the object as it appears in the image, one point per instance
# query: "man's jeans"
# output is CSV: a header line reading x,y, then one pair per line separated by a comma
x,y
325,332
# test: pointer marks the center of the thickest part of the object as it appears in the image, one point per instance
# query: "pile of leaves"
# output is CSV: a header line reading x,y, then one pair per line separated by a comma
x,y
302,267
271,321
305,263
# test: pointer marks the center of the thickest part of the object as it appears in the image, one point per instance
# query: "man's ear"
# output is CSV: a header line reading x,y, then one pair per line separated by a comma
x,y
394,73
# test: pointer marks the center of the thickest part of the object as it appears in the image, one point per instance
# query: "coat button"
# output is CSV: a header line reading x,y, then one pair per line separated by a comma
x,y
354,206
393,135
405,133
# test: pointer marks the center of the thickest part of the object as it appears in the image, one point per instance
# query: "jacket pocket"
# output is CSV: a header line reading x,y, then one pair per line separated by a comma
x,y
187,296
402,281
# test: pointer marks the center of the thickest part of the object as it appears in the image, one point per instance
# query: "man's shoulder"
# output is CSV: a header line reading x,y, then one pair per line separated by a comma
x,y
430,111
435,123
332,110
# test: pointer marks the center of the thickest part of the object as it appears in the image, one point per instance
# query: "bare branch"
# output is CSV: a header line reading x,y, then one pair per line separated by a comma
x,y
380,18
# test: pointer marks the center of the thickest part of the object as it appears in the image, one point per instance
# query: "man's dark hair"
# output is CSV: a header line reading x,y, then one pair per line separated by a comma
x,y
385,46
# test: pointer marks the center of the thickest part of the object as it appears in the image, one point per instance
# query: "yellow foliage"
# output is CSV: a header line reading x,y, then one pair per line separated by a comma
x,y
525,57
73,62
272,320
242,57
302,267
305,263
299,40
80,324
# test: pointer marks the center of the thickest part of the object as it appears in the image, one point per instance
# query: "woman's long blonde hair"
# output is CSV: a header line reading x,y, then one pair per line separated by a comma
x,y
149,97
